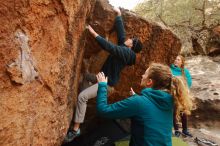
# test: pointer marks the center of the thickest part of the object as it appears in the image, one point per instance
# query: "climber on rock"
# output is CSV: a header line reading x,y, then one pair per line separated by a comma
x,y
121,55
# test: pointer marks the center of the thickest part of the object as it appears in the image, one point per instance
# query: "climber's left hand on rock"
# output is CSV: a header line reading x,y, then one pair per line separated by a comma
x,y
91,30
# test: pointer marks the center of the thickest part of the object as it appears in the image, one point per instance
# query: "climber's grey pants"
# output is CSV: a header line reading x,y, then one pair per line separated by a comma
x,y
84,96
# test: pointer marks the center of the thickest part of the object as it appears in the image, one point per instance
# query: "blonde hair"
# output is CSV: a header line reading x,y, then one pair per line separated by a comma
x,y
163,80
182,99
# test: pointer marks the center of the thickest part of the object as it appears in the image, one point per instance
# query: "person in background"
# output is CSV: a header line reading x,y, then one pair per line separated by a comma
x,y
120,55
151,113
178,69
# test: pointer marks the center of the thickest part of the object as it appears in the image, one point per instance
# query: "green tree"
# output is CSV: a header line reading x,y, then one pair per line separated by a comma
x,y
191,20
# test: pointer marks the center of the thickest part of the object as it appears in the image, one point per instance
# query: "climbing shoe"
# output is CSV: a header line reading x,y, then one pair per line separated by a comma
x,y
186,133
177,133
71,135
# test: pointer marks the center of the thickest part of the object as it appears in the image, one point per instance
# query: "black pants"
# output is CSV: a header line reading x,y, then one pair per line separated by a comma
x,y
183,118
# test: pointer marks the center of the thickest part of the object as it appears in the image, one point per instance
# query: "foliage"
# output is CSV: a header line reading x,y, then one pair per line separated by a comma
x,y
187,18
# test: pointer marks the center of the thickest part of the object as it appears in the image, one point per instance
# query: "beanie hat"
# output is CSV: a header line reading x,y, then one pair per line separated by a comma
x,y
137,45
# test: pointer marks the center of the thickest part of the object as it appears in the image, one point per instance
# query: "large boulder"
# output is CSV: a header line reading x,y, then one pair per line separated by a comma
x,y
206,91
40,60
43,45
204,121
159,45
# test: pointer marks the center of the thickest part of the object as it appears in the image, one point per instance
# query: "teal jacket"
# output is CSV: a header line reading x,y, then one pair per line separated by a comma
x,y
151,115
176,71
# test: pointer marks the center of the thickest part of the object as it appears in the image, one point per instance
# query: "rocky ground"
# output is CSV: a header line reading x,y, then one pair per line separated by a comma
x,y
205,120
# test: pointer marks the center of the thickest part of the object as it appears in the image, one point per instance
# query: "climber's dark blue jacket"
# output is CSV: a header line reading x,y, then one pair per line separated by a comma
x,y
120,55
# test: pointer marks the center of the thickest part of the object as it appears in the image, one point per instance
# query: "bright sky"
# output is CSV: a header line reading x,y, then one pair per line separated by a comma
x,y
128,4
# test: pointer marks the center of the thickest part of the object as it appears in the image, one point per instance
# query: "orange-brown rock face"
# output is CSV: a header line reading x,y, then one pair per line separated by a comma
x,y
42,45
40,59
160,45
